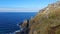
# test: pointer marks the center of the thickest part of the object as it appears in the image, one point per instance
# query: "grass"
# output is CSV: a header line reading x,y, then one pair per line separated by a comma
x,y
42,24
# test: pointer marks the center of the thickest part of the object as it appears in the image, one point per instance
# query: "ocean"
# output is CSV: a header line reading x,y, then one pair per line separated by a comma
x,y
9,20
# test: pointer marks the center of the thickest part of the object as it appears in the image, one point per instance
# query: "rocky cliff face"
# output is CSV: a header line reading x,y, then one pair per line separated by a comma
x,y
24,27
47,21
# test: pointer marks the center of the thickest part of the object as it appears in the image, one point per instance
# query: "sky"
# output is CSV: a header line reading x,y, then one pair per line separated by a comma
x,y
24,5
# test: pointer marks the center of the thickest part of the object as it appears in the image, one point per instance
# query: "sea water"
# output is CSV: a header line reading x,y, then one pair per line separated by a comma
x,y
9,20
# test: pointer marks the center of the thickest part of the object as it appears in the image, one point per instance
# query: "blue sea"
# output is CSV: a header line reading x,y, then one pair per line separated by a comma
x,y
9,20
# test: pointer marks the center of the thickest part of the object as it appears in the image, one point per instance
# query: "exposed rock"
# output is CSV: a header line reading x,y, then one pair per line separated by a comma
x,y
24,27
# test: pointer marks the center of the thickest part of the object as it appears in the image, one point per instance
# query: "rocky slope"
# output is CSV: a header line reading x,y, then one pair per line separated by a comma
x,y
47,21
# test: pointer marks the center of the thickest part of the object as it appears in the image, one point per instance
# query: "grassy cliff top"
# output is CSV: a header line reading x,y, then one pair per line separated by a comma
x,y
48,17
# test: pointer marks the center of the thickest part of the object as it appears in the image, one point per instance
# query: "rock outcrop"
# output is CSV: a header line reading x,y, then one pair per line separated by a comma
x,y
24,27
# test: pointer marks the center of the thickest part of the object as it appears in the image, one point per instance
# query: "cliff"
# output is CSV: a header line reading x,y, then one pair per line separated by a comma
x,y
47,21
24,27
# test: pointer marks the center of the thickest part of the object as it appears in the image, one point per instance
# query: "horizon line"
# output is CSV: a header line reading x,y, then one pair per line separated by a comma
x,y
19,9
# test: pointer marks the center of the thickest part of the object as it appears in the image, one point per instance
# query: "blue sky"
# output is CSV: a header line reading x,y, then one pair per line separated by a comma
x,y
24,4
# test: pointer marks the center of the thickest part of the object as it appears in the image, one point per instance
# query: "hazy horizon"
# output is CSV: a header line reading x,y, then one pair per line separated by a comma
x,y
23,5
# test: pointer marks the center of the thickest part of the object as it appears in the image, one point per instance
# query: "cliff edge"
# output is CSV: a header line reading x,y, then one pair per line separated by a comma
x,y
47,21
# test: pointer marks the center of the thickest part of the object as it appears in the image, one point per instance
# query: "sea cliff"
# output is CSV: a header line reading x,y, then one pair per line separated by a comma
x,y
47,21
